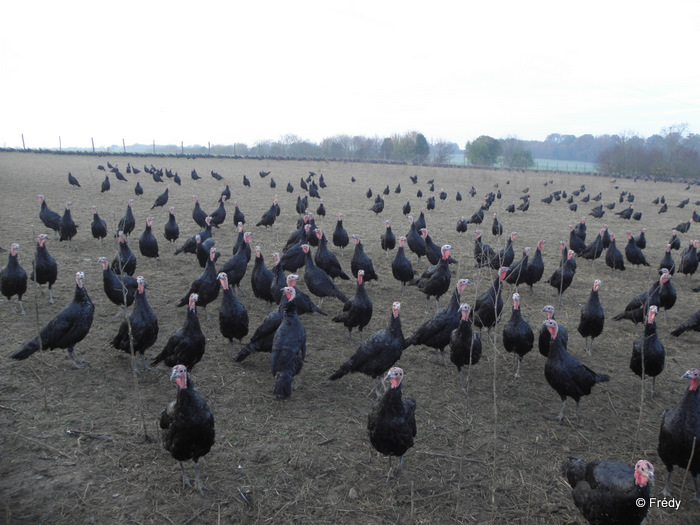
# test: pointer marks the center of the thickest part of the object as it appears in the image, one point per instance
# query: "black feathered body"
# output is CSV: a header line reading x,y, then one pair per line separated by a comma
x,y
436,331
162,199
465,345
148,245
185,346
679,427
67,229
268,218
503,257
144,327
199,215
634,254
535,269
401,267
661,294
206,286
319,282
203,252
238,215
293,259
171,230
360,260
262,338
340,235
388,239
187,426
261,280
45,267
288,351
545,337
13,278
68,328
518,337
415,241
125,261
613,257
606,493
233,316
567,375
98,227
119,288
563,276
592,319
128,222
391,423
517,272
648,345
237,266
688,264
482,252
593,250
693,323
328,262
357,311
489,306
434,281
432,250
50,218
218,216
668,262
377,354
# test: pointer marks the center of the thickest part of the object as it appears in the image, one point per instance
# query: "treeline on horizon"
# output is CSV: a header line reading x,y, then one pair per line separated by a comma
x,y
671,153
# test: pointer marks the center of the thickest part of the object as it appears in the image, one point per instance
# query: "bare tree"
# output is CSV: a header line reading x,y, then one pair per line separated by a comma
x,y
442,151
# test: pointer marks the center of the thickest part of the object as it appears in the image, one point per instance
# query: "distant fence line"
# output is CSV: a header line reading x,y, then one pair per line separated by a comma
x,y
104,153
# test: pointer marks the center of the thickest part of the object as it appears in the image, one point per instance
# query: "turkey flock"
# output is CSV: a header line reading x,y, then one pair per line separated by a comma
x,y
330,277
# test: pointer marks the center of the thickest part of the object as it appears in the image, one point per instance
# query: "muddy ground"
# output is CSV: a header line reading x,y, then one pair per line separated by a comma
x,y
83,446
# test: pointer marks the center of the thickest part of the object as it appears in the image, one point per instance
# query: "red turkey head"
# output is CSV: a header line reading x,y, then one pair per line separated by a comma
x,y
395,376
179,375
643,472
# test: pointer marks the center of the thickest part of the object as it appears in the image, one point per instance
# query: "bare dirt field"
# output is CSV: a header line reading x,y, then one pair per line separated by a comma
x,y
83,446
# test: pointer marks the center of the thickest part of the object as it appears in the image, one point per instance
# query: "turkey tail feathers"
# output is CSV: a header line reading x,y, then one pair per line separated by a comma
x,y
344,369
28,349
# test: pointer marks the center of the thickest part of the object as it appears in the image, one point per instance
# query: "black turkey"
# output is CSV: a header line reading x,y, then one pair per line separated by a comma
x,y
592,318
288,347
565,374
648,354
610,492
680,433
391,423
378,353
187,426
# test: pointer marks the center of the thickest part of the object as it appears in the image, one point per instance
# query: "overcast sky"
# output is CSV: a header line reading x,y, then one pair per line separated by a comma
x,y
225,72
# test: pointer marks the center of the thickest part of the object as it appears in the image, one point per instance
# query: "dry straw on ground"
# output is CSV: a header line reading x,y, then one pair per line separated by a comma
x,y
82,446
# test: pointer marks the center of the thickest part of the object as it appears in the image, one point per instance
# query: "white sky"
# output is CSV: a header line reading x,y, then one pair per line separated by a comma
x,y
228,71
